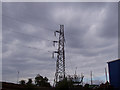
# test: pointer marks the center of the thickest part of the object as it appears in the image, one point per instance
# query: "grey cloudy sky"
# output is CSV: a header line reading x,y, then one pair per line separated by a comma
x,y
91,32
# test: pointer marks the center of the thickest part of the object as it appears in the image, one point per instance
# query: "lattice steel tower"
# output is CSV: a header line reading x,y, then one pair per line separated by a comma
x,y
60,63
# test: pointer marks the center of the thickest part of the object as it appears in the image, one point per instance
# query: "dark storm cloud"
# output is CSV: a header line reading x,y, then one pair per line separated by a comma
x,y
90,32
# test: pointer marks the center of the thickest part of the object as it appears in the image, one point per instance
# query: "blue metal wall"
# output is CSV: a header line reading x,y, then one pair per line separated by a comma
x,y
114,73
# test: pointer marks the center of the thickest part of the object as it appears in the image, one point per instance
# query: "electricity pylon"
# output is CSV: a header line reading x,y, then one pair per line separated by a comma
x,y
60,63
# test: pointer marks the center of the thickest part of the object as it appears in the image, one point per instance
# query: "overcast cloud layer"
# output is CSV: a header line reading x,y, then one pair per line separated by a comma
x,y
91,33
60,1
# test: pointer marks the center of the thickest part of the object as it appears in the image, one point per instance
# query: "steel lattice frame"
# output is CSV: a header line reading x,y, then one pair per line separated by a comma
x,y
60,64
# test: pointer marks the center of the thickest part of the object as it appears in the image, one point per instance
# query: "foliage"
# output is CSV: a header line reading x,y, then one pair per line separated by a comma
x,y
29,81
86,85
22,82
41,82
64,84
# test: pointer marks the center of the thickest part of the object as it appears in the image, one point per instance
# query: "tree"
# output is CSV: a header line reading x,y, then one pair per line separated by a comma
x,y
41,82
38,80
22,82
30,85
86,86
64,84
46,79
29,81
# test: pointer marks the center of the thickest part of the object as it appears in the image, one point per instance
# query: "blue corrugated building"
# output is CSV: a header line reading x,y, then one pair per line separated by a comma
x,y
114,73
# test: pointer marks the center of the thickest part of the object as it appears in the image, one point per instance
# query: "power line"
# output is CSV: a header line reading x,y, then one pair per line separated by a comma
x,y
27,35
21,32
22,21
70,62
38,49
15,19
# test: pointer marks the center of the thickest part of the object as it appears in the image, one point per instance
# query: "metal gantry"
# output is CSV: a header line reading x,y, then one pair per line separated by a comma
x,y
60,63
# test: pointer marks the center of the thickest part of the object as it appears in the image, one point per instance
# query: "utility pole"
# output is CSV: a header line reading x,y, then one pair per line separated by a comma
x,y
76,71
81,77
106,74
91,78
18,77
60,63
